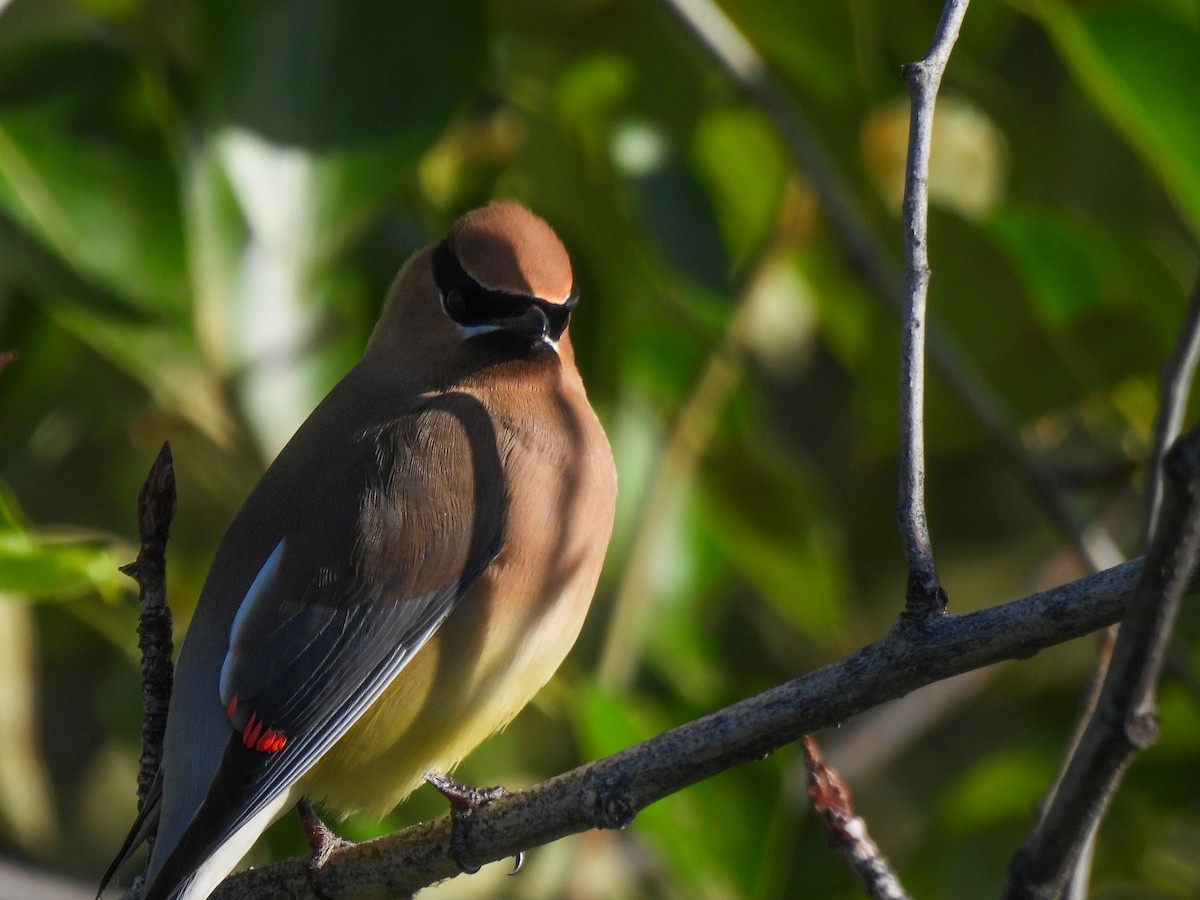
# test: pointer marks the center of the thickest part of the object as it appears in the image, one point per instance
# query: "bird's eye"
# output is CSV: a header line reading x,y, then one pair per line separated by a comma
x,y
455,305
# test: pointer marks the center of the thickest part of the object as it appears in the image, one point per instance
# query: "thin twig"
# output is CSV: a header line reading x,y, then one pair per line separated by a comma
x,y
925,595
730,49
1175,388
1125,719
156,508
1077,883
609,793
831,799
1173,397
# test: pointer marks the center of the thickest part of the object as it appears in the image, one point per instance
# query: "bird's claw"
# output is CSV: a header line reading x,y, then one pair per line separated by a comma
x,y
321,840
464,800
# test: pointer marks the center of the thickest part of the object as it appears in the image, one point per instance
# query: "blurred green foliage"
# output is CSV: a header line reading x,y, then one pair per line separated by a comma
x,y
202,205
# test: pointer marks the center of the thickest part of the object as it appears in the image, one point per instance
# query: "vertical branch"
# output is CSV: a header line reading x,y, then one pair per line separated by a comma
x,y
1125,719
750,72
923,78
1174,390
1176,386
156,508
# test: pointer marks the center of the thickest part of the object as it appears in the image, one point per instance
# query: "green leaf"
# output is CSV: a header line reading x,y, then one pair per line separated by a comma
x,y
1141,69
106,211
329,74
1068,266
1176,704
844,309
738,156
766,515
588,96
64,73
48,569
676,209
682,646
1083,278
1005,786
83,166
9,518
163,358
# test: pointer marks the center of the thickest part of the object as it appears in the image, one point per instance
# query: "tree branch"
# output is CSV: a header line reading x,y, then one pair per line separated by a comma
x,y
733,53
610,792
1125,719
156,508
925,595
1176,387
1176,383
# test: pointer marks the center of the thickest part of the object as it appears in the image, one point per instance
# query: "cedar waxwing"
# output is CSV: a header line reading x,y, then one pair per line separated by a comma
x,y
408,573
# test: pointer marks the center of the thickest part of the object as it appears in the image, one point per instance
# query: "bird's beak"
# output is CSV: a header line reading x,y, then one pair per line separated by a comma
x,y
532,324
539,321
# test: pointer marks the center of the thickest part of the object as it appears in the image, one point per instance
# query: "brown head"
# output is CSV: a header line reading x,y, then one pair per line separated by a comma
x,y
500,277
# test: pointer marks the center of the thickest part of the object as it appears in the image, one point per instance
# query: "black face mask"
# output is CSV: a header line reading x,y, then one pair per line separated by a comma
x,y
469,303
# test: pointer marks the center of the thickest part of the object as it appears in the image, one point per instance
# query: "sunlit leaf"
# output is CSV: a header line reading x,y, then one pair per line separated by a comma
x,y
777,321
682,646
739,157
1068,265
35,566
1141,68
37,569
107,210
588,96
968,163
163,358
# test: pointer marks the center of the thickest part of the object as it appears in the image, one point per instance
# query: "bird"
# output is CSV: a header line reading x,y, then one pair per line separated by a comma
x,y
411,569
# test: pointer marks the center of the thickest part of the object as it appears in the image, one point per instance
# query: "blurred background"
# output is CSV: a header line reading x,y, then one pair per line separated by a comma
x,y
202,205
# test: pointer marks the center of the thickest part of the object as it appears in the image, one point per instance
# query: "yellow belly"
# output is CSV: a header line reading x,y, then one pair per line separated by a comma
x,y
482,667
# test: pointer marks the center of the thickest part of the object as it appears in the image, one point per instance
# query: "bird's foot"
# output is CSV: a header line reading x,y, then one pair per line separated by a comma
x,y
321,840
464,801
